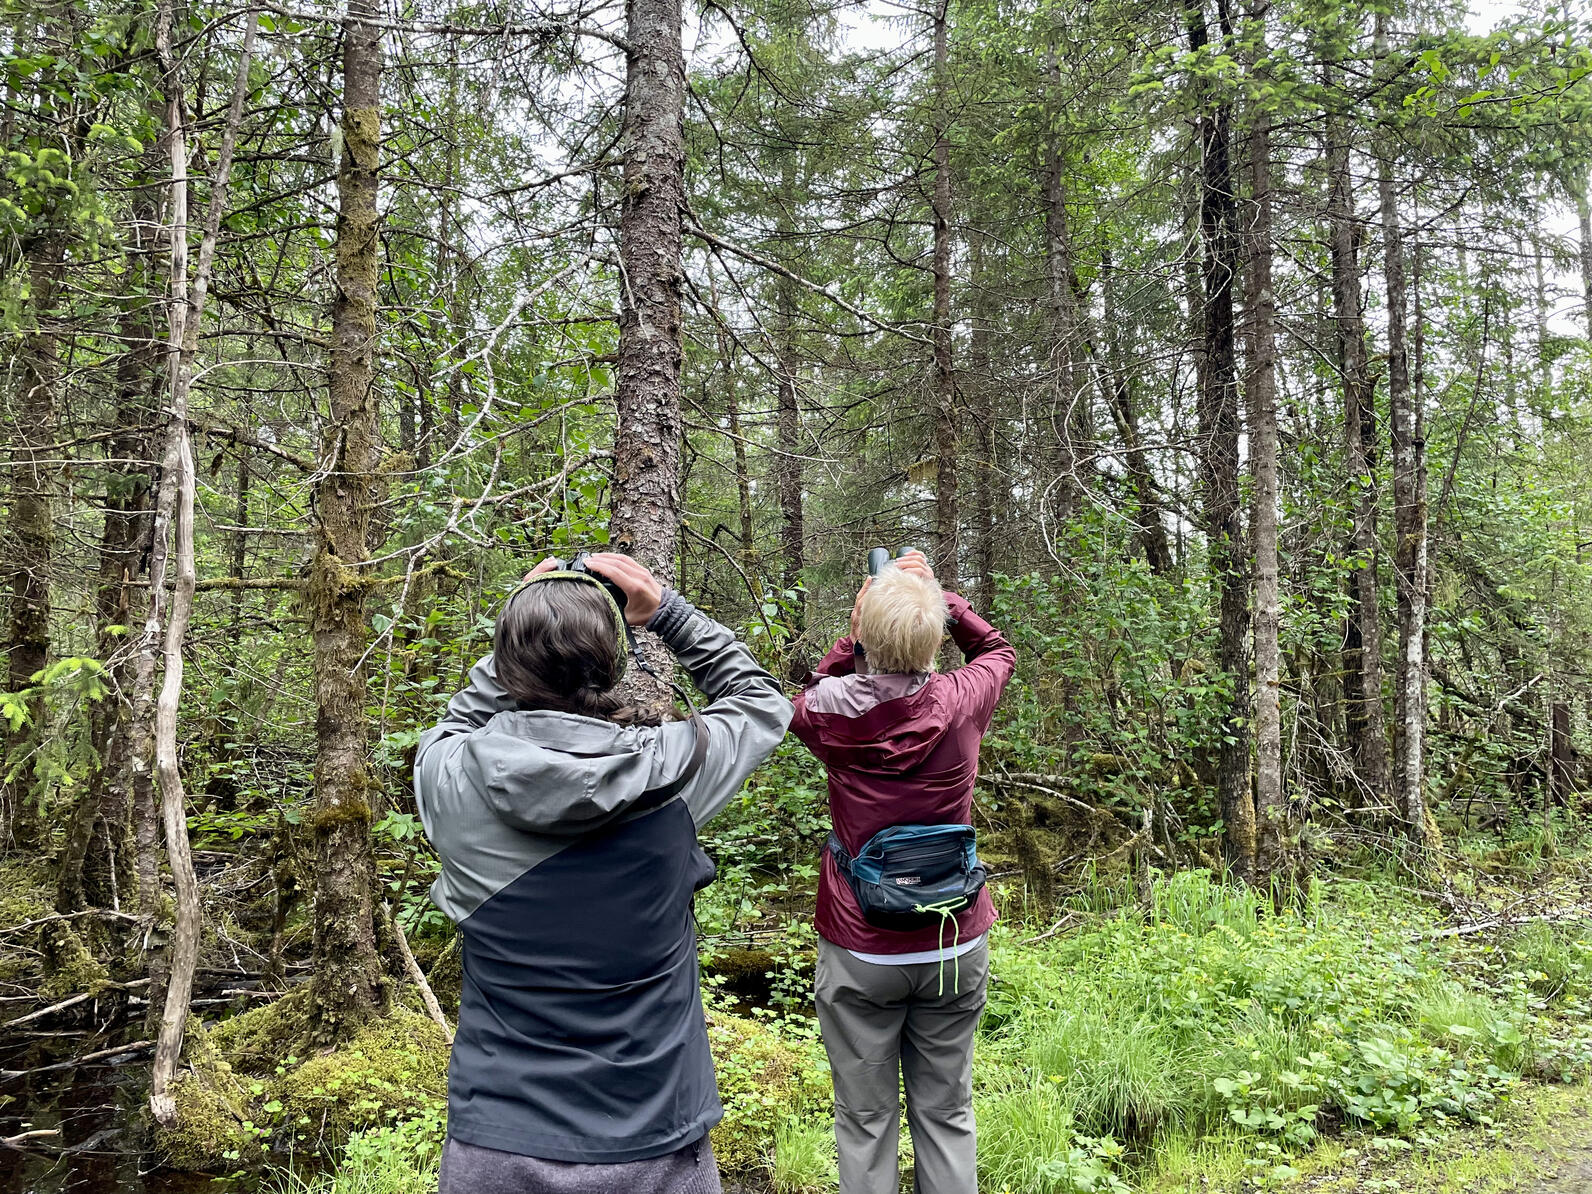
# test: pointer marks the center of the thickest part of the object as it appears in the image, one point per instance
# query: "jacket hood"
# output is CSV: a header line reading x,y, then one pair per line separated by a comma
x,y
559,773
892,737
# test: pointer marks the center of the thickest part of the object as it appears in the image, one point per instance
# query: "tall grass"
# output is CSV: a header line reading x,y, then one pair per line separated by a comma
x,y
804,1157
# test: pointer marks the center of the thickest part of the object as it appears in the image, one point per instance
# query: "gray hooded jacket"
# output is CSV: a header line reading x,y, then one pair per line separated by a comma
x,y
581,1034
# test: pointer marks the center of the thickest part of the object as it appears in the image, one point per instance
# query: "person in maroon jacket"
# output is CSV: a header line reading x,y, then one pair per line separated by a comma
x,y
901,746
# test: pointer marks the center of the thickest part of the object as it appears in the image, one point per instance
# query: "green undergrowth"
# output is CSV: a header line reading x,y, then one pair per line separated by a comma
x,y
1207,1035
1198,1040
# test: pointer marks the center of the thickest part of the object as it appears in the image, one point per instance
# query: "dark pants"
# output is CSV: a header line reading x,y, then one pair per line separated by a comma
x,y
471,1169
883,1025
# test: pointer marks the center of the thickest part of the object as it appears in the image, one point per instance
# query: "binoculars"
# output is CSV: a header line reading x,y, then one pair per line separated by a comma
x,y
878,557
578,565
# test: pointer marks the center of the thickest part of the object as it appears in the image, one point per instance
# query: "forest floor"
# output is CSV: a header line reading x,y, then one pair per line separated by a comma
x,y
1544,1146
1163,1034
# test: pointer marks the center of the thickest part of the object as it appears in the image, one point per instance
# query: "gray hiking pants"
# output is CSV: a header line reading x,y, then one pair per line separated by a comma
x,y
886,1024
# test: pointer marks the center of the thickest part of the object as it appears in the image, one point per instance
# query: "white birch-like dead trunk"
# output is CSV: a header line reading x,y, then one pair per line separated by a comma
x,y
177,491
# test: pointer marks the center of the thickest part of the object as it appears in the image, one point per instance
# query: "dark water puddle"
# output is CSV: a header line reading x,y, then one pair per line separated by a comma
x,y
94,1108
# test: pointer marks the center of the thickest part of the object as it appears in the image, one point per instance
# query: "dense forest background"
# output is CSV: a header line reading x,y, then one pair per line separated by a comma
x,y
1233,355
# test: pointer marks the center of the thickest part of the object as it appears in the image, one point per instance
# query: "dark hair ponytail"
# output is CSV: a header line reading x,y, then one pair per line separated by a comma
x,y
556,647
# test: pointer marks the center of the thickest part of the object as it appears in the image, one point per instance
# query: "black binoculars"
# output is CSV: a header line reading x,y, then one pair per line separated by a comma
x,y
878,557
578,565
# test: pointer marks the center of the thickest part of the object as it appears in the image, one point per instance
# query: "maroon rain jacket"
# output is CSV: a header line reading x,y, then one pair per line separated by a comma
x,y
901,750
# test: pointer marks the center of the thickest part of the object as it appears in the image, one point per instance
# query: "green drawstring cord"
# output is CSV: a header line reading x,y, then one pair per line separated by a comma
x,y
946,912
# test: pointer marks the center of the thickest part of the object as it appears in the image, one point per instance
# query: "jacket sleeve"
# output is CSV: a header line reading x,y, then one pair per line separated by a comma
x,y
990,661
746,716
841,660
802,726
482,699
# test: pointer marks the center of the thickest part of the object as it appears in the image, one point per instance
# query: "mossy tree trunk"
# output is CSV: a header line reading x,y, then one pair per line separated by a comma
x,y
348,987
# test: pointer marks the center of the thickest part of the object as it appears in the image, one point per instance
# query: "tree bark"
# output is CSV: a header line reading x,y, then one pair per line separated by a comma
x,y
1149,523
732,411
177,489
97,861
1408,431
348,987
1561,755
1067,417
646,501
1219,465
1583,206
981,404
1362,653
947,517
787,461
32,537
1273,831
450,276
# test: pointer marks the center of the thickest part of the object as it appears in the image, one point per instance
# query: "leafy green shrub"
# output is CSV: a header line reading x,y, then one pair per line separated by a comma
x,y
764,1079
1555,960
1206,1012
401,1159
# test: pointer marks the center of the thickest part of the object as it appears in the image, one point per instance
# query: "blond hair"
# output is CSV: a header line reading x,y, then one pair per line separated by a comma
x,y
901,621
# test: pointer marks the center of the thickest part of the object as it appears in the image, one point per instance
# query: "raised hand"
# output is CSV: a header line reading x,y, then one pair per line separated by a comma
x,y
915,562
547,565
641,588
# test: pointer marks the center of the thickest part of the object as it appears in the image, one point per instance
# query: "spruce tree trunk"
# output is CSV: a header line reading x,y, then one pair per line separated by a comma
x,y
32,536
347,988
1409,518
732,412
1066,415
1584,212
787,461
981,407
947,518
1273,831
646,501
1364,718
97,862
1218,421
1118,394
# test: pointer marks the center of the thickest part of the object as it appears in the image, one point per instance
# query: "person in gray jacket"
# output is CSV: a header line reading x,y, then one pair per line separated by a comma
x,y
566,826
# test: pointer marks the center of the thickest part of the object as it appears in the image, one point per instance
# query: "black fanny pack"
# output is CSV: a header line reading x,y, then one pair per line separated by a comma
x,y
912,876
